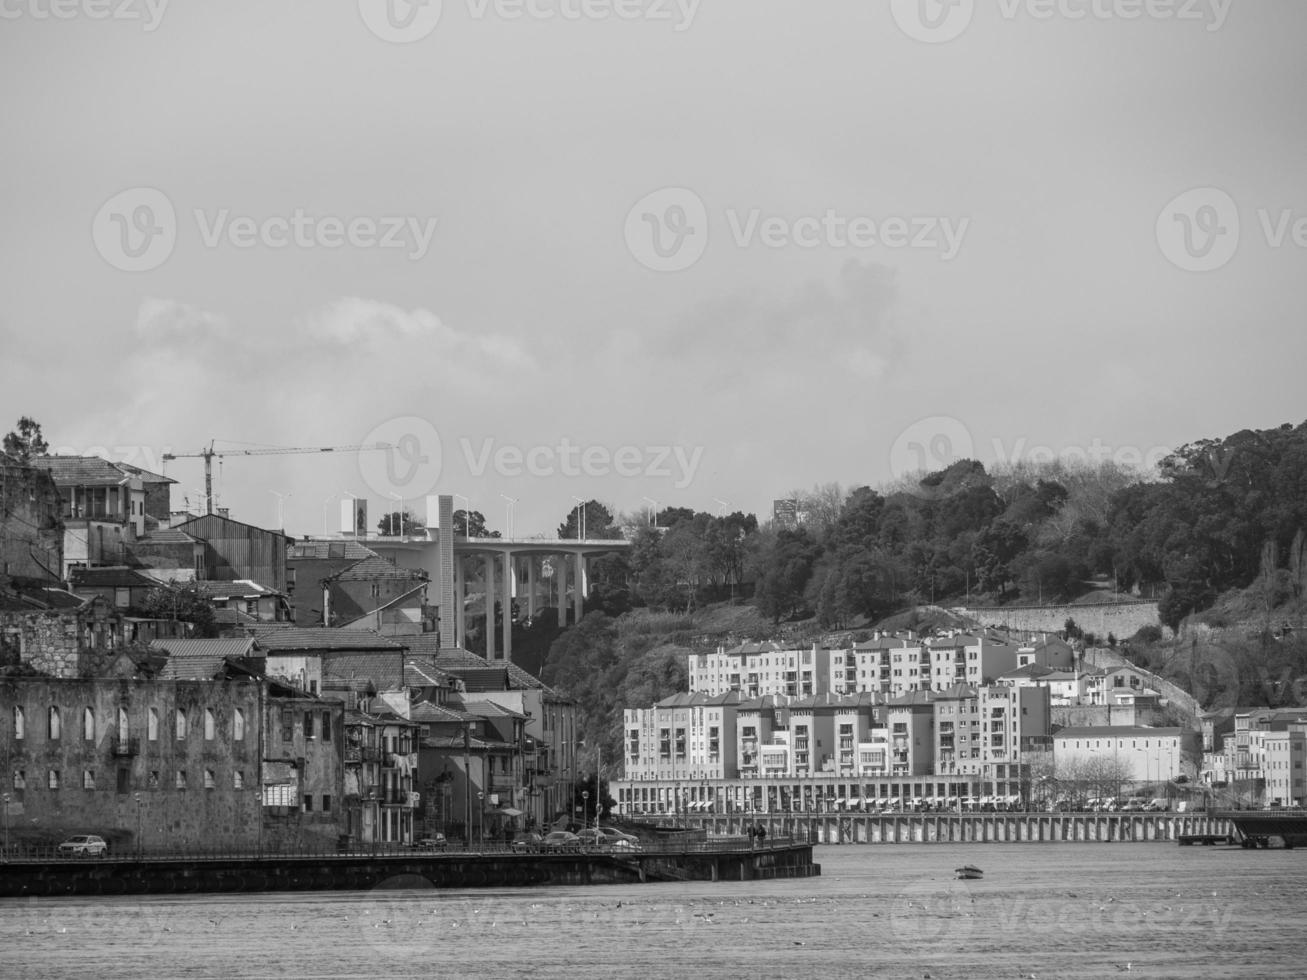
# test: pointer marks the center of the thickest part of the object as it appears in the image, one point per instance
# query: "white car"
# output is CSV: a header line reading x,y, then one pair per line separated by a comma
x,y
83,845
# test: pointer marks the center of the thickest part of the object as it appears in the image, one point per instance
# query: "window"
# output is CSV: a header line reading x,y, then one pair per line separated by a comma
x,y
20,723
20,779
152,725
88,779
181,723
326,726
308,802
326,802
181,778
208,724
238,779
88,724
153,781
124,780
238,725
210,780
308,724
53,780
53,725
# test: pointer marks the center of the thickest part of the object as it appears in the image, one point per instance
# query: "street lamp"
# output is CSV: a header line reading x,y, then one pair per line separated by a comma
x,y
481,820
138,825
585,808
580,517
281,507
653,510
4,802
399,531
508,531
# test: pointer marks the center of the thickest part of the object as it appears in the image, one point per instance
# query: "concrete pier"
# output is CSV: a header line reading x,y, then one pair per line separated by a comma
x,y
737,860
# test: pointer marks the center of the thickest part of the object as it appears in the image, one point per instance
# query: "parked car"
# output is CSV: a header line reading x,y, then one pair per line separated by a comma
x,y
614,835
436,842
528,843
590,837
561,840
83,845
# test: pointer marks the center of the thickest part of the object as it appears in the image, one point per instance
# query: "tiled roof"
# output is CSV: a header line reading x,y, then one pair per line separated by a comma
x,y
376,567
110,578
145,476
488,709
228,617
241,588
80,471
420,672
463,664
323,550
202,668
167,535
436,714
205,648
323,638
384,670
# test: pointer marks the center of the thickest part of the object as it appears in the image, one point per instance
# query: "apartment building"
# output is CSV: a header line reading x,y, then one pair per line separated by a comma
x,y
757,669
682,737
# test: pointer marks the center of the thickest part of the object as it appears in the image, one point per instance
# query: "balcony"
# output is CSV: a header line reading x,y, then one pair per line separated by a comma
x,y
125,747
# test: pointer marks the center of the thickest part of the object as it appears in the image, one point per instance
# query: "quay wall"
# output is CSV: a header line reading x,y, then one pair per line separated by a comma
x,y
956,828
700,861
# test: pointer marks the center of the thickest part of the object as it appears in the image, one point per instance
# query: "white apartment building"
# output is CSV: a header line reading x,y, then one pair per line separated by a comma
x,y
758,669
682,737
1286,753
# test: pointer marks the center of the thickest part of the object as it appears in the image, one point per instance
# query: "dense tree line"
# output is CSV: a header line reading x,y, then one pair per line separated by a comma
x,y
1217,514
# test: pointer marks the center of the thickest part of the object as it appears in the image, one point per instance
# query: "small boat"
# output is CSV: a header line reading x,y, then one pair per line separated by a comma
x,y
968,871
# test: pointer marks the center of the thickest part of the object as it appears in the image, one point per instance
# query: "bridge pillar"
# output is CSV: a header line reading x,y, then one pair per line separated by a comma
x,y
560,573
578,588
490,606
460,602
531,587
510,581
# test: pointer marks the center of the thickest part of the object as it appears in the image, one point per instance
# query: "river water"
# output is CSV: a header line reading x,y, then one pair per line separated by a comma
x,y
1047,910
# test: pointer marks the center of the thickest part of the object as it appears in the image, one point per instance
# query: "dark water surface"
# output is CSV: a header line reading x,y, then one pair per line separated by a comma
x,y
1051,910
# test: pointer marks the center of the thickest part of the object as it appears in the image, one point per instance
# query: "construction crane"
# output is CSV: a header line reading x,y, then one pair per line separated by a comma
x,y
210,453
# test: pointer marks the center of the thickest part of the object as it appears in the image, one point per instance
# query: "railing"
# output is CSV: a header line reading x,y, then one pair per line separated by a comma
x,y
123,747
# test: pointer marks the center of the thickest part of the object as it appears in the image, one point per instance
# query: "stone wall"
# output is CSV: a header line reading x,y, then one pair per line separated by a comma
x,y
31,535
1121,619
46,641
1071,716
118,768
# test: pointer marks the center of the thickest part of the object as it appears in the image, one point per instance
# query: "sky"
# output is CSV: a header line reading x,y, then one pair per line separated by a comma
x,y
698,254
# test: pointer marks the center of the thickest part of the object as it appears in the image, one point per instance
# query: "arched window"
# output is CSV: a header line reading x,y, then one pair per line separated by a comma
x,y
55,724
208,724
20,722
181,723
152,725
88,723
122,724
238,726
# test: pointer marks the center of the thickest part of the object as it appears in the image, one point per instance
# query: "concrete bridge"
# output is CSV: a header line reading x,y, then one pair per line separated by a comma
x,y
540,571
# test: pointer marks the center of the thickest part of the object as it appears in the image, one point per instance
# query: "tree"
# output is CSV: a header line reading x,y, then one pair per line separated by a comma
x,y
390,524
183,602
26,442
598,523
472,524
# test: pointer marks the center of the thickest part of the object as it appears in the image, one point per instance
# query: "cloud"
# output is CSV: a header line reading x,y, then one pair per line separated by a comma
x,y
372,327
845,325
168,322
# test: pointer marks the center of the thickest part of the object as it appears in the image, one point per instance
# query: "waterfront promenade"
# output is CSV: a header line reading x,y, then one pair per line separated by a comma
x,y
959,828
